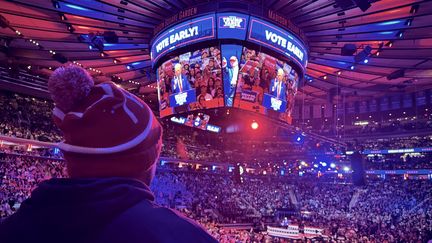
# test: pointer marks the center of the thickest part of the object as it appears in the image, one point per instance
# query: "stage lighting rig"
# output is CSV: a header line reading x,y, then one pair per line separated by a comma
x,y
363,55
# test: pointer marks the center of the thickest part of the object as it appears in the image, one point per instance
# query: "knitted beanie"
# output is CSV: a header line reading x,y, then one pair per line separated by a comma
x,y
107,130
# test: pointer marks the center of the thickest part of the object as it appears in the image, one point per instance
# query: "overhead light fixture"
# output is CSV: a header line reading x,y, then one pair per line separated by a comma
x,y
389,44
325,77
339,72
102,54
377,53
352,67
366,61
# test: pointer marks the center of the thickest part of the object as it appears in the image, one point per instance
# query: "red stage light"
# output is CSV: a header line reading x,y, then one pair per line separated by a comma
x,y
254,125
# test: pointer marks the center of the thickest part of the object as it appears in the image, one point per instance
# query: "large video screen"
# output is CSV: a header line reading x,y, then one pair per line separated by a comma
x,y
266,85
189,32
191,81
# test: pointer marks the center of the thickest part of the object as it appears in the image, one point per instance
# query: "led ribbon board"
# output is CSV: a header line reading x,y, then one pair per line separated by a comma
x,y
187,33
263,33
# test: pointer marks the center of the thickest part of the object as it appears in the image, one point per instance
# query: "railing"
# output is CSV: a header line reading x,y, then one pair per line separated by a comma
x,y
293,232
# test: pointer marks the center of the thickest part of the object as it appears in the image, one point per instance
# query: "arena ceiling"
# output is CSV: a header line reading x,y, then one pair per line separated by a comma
x,y
399,32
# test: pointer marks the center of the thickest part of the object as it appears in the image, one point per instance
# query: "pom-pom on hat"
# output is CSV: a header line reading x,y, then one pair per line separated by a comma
x,y
107,130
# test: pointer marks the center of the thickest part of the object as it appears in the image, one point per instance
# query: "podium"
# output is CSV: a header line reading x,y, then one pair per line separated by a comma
x,y
182,98
273,103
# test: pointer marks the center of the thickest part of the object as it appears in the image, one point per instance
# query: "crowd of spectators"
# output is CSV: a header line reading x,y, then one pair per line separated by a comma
x,y
398,142
399,161
20,174
26,117
392,126
395,210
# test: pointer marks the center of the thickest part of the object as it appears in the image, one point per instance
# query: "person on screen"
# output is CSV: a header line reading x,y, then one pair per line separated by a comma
x,y
230,76
180,82
111,148
277,86
211,86
204,92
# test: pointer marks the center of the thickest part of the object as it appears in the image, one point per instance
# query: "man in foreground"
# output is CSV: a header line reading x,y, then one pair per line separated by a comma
x,y
112,143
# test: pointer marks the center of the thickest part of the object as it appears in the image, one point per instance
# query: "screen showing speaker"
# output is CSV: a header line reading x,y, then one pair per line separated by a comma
x,y
228,59
190,81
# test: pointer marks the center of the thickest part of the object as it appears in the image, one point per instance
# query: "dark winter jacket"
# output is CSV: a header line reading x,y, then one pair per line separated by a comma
x,y
97,210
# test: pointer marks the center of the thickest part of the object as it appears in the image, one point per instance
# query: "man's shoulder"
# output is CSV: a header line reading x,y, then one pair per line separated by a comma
x,y
147,220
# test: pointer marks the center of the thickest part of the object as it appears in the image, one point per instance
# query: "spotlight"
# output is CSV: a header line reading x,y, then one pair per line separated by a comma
x,y
299,138
400,34
128,67
254,125
102,54
70,28
366,61
361,56
325,77
55,4
377,53
352,67
339,72
332,165
408,22
389,44
414,9
63,17
90,47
